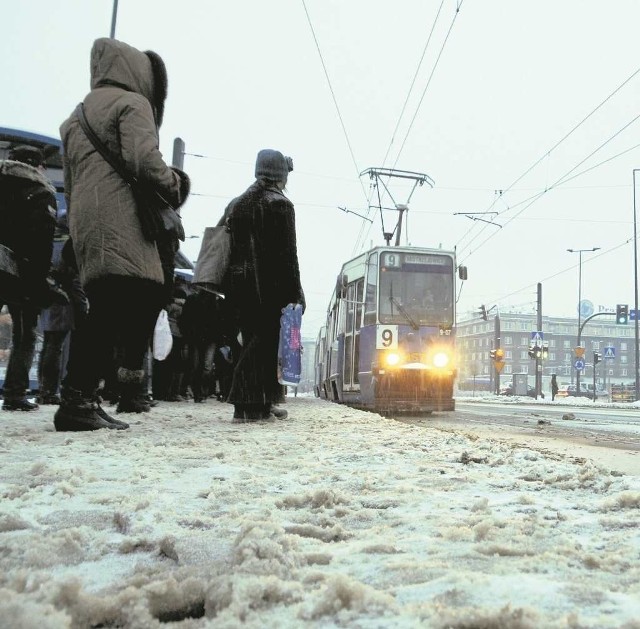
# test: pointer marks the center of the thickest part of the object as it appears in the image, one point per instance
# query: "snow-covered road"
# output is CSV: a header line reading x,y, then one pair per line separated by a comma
x,y
332,518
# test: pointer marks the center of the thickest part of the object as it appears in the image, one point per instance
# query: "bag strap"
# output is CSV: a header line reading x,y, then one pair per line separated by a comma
x,y
115,163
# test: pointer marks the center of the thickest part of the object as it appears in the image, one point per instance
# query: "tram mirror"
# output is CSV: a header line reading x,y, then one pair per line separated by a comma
x,y
462,272
341,285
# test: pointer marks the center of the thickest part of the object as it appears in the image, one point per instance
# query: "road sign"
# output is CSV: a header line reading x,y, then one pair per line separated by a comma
x,y
632,314
579,364
499,364
586,308
609,352
579,352
536,338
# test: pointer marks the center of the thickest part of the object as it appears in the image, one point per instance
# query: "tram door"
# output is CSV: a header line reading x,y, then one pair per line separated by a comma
x,y
353,321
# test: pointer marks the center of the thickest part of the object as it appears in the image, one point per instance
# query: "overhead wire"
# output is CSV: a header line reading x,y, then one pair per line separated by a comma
x,y
415,114
333,96
559,182
548,152
569,268
424,92
364,225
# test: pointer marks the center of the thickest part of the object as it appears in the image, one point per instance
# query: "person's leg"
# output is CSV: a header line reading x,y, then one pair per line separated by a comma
x,y
135,324
23,340
90,348
50,366
195,360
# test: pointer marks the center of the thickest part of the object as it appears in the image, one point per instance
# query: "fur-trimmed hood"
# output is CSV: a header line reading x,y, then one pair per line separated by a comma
x,y
20,170
114,63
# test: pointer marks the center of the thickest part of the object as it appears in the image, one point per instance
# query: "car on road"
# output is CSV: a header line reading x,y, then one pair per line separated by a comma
x,y
586,390
508,390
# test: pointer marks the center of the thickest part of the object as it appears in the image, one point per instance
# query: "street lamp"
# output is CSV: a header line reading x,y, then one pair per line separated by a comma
x,y
580,252
635,286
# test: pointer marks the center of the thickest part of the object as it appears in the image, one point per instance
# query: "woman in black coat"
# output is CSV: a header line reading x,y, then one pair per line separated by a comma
x,y
264,277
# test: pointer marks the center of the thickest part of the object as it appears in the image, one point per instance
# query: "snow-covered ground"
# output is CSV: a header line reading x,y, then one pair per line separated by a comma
x,y
330,518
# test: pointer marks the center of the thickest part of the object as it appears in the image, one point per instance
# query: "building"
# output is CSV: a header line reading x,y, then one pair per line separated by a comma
x,y
476,338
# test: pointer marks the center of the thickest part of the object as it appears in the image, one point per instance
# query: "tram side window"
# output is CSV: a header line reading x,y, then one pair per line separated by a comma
x,y
350,308
359,289
371,289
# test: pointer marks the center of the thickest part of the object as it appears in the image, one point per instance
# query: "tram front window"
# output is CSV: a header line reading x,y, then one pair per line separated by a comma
x,y
416,295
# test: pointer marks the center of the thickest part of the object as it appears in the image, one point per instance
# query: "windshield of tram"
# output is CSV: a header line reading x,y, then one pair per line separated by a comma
x,y
416,288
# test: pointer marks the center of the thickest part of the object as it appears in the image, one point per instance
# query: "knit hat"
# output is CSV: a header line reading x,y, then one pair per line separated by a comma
x,y
273,165
27,155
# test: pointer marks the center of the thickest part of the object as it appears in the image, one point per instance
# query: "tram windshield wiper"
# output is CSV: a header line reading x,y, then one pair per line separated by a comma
x,y
402,310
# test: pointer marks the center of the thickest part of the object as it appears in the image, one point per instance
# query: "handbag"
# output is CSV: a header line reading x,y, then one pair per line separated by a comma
x,y
158,219
213,261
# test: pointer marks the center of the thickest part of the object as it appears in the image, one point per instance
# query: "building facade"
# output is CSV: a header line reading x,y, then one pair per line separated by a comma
x,y
514,334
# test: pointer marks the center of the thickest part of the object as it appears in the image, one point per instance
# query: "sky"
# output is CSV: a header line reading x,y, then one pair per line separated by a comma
x,y
305,522
525,109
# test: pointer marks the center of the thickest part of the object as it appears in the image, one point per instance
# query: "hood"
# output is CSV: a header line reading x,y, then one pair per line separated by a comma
x,y
114,63
11,168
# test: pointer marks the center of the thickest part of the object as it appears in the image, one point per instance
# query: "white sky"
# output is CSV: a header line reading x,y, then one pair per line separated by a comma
x,y
331,518
514,78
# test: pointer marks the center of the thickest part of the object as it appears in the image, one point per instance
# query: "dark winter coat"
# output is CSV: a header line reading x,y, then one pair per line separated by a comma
x,y
202,318
27,220
264,272
124,108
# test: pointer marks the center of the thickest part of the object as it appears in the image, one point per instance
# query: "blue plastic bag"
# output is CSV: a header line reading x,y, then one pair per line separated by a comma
x,y
290,346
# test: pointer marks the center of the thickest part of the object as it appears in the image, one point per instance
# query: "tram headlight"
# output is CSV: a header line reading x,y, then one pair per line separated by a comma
x,y
392,359
441,359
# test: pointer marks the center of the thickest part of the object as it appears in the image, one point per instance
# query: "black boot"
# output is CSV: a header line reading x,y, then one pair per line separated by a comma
x,y
112,420
131,398
78,412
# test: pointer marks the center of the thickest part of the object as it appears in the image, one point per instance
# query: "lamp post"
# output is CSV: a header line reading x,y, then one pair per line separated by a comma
x,y
635,287
580,252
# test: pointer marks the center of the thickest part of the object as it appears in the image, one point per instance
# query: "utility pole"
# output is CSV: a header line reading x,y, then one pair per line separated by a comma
x,y
539,354
114,16
178,153
496,344
635,290
580,252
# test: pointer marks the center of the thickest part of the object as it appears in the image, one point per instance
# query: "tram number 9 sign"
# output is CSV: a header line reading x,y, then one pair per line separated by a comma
x,y
387,337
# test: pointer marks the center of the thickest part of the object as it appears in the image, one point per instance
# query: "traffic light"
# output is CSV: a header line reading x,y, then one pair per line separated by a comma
x,y
622,314
532,351
492,354
483,312
597,357
545,352
537,352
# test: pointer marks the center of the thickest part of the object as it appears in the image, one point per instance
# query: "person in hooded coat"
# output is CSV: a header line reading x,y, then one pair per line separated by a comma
x,y
264,277
117,265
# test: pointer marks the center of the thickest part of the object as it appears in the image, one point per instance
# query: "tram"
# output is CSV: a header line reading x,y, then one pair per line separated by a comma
x,y
388,344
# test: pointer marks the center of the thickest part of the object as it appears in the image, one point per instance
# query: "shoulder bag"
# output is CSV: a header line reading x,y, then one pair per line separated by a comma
x,y
158,219
213,260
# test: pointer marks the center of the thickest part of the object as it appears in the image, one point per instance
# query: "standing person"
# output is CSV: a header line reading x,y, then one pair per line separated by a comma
x,y
120,269
27,222
201,324
554,386
264,277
